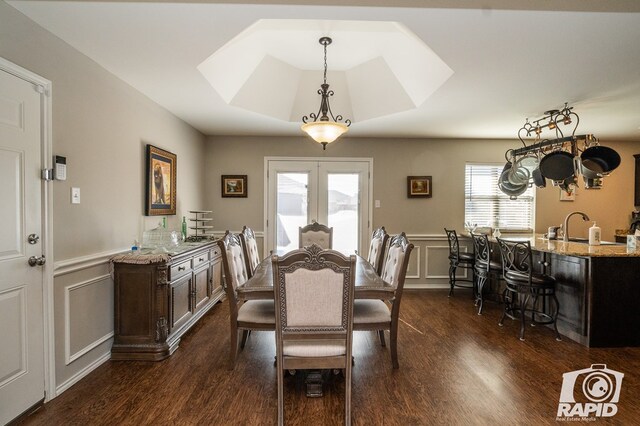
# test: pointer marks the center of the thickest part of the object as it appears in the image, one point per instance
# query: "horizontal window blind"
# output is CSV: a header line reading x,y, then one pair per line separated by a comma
x,y
486,205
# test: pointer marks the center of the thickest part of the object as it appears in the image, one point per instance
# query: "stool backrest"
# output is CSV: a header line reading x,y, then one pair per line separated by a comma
x,y
454,246
516,257
482,250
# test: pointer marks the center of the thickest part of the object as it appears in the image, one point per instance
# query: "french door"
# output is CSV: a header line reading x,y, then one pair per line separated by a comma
x,y
333,192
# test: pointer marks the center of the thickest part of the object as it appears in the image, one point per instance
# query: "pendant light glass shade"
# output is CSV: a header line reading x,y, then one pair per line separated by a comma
x,y
324,132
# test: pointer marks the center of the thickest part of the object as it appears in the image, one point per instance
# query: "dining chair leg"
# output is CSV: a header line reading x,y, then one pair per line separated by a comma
x,y
280,374
381,336
233,346
394,343
347,395
245,335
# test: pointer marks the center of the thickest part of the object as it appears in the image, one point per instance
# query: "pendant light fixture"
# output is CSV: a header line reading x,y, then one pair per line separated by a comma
x,y
325,128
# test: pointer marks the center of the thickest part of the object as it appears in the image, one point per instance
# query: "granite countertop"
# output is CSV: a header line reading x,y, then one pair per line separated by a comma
x,y
538,242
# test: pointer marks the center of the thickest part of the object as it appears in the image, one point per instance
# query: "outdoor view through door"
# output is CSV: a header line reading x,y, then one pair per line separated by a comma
x,y
335,193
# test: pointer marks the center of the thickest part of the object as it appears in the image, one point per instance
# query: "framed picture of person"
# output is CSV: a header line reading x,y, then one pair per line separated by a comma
x,y
161,182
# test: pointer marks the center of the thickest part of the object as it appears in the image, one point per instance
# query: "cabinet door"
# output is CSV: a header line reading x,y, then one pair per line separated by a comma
x,y
571,275
180,302
215,274
201,287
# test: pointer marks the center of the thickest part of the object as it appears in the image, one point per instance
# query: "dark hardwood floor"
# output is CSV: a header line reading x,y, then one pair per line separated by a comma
x,y
455,368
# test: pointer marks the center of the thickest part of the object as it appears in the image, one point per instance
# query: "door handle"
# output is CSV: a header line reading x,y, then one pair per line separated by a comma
x,y
40,260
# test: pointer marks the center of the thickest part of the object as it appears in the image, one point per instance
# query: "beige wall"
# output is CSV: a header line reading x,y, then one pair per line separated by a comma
x,y
393,161
102,126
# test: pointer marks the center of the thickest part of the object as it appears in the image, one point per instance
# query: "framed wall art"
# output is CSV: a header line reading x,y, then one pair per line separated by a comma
x,y
419,187
161,182
234,186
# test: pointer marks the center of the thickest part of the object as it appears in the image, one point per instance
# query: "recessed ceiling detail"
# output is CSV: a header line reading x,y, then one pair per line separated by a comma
x,y
274,68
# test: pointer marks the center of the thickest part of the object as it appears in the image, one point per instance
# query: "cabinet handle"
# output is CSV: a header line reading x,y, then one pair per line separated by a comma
x,y
201,259
181,268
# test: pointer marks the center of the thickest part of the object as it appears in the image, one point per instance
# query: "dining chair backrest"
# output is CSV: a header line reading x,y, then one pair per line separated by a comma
x,y
314,292
396,261
377,248
250,250
235,273
316,233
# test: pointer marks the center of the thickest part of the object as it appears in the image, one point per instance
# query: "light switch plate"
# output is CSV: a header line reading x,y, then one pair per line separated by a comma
x,y
377,204
75,195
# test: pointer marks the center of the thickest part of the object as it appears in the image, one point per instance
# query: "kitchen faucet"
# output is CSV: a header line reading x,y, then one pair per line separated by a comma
x,y
566,224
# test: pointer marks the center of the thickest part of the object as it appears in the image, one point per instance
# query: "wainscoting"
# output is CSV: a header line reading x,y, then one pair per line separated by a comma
x,y
429,263
83,312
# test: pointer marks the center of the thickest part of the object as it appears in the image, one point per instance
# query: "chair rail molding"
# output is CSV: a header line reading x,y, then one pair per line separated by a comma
x,y
67,266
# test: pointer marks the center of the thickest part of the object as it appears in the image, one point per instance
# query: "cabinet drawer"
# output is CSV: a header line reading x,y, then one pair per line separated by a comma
x,y
215,253
180,269
200,259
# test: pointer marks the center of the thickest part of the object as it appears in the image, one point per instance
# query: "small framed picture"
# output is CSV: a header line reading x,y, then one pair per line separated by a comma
x,y
161,182
234,186
419,187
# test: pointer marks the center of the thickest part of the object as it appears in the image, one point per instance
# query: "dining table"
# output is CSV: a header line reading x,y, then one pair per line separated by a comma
x,y
368,284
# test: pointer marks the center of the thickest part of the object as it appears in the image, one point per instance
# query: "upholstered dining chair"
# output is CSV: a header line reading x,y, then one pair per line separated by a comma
x,y
316,233
250,250
247,316
376,314
314,300
376,249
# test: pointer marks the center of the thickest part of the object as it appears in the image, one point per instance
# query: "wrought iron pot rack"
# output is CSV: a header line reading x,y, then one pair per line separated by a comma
x,y
560,159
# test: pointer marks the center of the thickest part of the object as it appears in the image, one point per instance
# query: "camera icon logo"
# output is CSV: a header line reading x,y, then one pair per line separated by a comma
x,y
590,391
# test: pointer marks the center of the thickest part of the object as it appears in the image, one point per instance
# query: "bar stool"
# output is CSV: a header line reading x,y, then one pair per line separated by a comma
x,y
484,266
457,259
522,284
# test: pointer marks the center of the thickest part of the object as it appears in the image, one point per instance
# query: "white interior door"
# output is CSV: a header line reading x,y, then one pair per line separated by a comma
x,y
333,192
22,380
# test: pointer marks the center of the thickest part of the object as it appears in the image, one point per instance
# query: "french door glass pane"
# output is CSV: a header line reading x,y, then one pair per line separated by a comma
x,y
291,209
343,205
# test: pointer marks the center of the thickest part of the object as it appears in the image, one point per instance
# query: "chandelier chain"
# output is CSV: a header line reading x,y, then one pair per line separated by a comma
x,y
325,64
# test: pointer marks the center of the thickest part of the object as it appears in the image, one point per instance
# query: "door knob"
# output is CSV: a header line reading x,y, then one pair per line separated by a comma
x,y
33,260
33,239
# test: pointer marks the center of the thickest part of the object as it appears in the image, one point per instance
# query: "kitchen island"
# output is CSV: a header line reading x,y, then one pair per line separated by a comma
x,y
598,288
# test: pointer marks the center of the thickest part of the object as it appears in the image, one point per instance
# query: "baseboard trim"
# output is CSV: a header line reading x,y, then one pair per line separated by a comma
x,y
82,373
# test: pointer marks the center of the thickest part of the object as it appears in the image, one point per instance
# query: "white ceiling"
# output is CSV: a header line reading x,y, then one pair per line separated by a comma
x,y
508,64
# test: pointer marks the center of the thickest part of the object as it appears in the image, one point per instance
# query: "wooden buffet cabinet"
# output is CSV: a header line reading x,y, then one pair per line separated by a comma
x,y
156,303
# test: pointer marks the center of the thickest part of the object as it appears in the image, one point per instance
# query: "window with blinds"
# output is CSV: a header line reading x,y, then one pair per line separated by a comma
x,y
486,205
